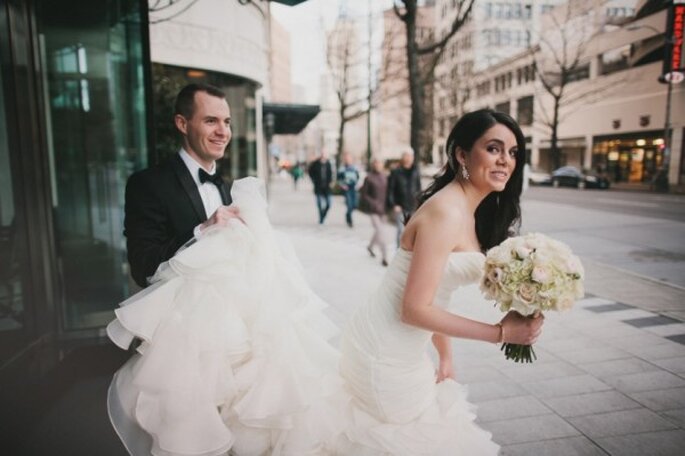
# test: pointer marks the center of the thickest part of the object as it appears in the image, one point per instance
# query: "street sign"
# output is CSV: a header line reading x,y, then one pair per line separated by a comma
x,y
674,77
674,61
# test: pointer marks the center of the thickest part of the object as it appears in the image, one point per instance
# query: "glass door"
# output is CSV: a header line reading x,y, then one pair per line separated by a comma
x,y
12,237
95,117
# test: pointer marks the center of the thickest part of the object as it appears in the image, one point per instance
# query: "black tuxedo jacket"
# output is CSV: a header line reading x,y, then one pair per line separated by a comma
x,y
162,208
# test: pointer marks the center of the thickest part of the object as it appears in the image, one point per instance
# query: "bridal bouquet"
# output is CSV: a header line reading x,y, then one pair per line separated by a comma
x,y
531,274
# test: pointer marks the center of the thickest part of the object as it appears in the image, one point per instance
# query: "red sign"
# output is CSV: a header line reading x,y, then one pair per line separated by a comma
x,y
673,61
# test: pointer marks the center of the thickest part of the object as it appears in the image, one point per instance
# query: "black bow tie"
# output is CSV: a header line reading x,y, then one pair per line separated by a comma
x,y
213,178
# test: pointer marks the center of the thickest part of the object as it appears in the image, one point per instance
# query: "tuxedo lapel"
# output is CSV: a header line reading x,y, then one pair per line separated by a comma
x,y
189,185
225,192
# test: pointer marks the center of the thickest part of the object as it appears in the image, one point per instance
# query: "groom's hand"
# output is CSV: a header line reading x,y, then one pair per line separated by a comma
x,y
221,217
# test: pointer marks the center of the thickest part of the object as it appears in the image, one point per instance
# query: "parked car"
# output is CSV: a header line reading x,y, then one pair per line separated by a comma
x,y
570,176
536,177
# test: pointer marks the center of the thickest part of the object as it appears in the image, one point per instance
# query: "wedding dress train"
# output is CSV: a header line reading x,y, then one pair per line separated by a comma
x,y
235,358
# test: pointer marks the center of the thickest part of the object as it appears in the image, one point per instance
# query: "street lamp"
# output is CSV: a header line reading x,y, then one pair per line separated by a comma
x,y
661,179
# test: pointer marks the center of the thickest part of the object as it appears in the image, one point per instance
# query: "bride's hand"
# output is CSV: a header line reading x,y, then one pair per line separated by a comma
x,y
521,330
444,371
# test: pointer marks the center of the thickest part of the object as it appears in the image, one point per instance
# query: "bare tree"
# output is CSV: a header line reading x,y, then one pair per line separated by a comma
x,y
169,9
348,63
561,58
420,71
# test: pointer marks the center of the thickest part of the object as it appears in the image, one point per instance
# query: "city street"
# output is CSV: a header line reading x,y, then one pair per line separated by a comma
x,y
638,232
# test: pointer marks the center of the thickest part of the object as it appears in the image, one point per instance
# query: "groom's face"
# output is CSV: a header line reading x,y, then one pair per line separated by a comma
x,y
208,131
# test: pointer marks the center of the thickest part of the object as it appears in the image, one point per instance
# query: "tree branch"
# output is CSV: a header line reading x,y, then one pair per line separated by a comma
x,y
456,25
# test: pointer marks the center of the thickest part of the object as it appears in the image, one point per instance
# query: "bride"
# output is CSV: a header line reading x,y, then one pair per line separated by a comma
x,y
234,356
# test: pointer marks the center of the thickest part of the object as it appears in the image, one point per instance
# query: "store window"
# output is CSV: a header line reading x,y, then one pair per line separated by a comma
x,y
92,55
629,159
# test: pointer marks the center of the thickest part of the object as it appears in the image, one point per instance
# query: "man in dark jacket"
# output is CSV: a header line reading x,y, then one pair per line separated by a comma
x,y
404,185
173,203
321,174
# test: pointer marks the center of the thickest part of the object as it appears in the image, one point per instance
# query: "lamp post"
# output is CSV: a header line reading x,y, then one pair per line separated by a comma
x,y
661,178
368,114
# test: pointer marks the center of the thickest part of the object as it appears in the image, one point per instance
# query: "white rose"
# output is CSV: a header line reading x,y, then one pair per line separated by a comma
x,y
540,274
526,293
523,251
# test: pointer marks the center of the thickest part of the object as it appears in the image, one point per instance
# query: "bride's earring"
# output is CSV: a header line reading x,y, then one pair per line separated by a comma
x,y
465,172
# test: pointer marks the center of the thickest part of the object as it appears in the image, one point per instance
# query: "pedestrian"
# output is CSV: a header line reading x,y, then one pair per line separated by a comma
x,y
297,172
372,198
348,177
404,184
321,174
168,205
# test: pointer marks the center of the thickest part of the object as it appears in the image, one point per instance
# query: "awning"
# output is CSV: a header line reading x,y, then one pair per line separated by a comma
x,y
289,2
287,119
564,142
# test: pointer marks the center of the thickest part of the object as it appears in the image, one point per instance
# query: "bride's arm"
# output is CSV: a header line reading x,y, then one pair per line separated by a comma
x,y
436,235
444,348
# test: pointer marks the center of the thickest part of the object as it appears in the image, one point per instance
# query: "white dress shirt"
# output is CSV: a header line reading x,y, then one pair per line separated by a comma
x,y
209,193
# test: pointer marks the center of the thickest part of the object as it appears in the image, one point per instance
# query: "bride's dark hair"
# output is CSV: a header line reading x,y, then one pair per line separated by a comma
x,y
498,215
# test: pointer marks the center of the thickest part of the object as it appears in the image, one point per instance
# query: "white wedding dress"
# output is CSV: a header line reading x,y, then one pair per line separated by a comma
x,y
235,358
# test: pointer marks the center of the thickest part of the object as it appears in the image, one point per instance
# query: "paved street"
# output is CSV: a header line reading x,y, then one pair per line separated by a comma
x,y
610,374
641,233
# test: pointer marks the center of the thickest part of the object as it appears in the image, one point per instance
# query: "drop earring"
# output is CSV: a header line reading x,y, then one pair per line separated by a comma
x,y
465,172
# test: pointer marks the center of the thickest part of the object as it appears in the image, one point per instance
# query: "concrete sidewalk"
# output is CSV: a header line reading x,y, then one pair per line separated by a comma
x,y
610,374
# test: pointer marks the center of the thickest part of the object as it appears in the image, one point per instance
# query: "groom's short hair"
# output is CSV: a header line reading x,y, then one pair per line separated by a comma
x,y
185,100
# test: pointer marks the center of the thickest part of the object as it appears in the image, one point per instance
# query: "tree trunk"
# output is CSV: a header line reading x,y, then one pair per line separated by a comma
x,y
341,135
415,85
556,153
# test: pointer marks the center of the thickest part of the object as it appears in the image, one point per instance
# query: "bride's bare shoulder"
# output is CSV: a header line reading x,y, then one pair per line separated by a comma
x,y
443,212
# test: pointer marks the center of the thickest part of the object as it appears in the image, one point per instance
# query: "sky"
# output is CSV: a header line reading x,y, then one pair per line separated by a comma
x,y
307,24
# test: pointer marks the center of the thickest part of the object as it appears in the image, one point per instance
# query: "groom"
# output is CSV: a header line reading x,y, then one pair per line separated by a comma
x,y
170,204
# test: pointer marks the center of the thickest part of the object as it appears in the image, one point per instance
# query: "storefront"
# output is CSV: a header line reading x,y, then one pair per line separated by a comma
x,y
73,127
633,157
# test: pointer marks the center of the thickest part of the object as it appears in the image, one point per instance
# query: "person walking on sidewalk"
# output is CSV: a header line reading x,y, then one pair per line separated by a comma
x,y
321,174
404,185
372,201
348,177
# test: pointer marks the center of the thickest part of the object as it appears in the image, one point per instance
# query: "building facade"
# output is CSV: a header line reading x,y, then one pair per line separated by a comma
x,y
494,32
613,112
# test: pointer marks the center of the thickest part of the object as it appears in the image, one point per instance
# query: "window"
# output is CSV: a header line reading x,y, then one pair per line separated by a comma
x,y
524,111
579,73
545,8
615,60
503,107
